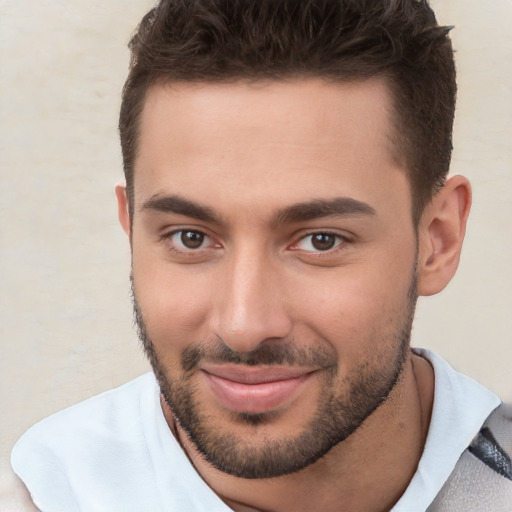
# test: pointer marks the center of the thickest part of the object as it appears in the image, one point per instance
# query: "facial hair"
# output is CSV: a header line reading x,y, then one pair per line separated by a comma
x,y
342,408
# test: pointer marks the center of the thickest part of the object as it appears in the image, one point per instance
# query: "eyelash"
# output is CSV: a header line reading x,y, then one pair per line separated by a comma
x,y
167,238
340,240
339,243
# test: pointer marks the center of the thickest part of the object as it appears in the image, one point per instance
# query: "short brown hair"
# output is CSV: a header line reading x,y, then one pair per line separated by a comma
x,y
339,40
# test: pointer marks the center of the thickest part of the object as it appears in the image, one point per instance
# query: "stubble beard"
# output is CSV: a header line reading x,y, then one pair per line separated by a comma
x,y
341,409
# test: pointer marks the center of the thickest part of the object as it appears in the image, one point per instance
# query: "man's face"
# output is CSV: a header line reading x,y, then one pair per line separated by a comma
x,y
273,264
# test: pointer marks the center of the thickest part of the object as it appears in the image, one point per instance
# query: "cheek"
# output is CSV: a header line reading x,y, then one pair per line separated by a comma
x,y
358,308
174,303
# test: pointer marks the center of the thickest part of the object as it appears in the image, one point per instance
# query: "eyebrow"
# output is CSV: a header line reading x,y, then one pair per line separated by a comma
x,y
299,212
180,206
319,208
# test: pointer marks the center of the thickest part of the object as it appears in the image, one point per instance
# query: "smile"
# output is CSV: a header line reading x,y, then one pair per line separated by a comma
x,y
254,390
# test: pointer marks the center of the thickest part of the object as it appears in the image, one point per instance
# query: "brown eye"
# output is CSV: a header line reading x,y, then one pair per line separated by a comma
x,y
320,242
323,241
192,239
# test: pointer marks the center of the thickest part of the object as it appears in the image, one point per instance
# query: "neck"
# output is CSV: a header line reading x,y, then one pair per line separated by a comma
x,y
369,471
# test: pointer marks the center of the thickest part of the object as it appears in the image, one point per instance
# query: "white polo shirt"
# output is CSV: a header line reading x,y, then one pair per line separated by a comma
x,y
115,452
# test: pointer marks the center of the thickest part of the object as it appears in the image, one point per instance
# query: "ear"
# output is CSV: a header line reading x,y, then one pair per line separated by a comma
x,y
122,208
441,233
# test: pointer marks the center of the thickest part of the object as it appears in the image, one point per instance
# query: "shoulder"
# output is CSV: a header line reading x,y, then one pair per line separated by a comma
x,y
493,444
102,415
83,441
482,478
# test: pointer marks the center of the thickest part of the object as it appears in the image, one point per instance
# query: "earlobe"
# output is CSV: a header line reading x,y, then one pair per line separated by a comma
x,y
441,233
122,208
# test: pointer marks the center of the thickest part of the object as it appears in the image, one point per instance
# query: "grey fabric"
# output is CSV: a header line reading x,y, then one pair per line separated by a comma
x,y
481,480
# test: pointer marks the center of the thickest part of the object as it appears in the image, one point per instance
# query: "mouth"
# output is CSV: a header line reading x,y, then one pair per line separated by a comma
x,y
254,389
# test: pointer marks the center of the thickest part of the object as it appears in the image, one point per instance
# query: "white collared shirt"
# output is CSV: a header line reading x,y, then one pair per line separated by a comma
x,y
115,452
461,406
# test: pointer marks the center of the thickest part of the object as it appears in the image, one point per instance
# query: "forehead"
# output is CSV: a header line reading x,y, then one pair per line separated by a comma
x,y
265,140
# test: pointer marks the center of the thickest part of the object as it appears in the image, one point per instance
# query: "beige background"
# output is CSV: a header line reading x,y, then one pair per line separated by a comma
x,y
65,326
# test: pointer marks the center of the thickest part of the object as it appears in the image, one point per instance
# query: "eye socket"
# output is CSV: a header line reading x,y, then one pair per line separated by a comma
x,y
319,242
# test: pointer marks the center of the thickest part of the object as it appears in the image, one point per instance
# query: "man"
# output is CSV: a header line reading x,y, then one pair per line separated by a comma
x,y
286,202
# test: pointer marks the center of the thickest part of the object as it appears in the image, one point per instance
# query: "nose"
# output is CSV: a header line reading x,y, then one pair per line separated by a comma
x,y
251,306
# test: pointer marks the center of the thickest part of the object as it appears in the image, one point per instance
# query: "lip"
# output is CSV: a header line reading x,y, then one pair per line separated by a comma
x,y
254,389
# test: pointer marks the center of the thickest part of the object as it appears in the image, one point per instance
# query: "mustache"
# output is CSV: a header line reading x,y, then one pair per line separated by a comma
x,y
216,351
267,354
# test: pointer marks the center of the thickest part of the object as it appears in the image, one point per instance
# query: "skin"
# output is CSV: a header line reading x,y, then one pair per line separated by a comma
x,y
245,152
